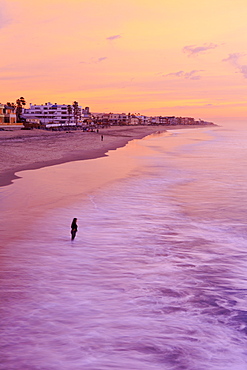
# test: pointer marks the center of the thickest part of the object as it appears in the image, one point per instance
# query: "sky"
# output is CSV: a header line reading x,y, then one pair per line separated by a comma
x,y
159,57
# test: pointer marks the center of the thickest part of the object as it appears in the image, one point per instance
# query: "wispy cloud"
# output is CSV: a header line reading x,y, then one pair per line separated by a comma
x,y
192,75
114,37
243,70
234,60
101,59
10,78
192,50
94,60
196,106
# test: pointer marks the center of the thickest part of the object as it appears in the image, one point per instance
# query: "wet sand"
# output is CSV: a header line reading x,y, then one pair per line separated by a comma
x,y
67,183
26,150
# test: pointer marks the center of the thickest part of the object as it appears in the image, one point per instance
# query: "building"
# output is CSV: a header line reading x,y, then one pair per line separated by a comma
x,y
7,114
1,114
133,120
143,120
86,116
171,120
56,114
101,119
188,121
155,120
118,119
111,118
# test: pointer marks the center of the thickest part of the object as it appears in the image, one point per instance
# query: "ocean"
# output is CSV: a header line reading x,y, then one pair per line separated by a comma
x,y
156,277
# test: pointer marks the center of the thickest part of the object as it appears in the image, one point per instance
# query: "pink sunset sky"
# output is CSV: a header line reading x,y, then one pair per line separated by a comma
x,y
159,57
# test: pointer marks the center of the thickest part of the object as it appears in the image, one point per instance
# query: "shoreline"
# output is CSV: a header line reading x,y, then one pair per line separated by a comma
x,y
29,150
51,188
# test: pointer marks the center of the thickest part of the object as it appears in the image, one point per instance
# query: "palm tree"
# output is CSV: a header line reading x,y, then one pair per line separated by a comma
x,y
69,108
76,112
20,103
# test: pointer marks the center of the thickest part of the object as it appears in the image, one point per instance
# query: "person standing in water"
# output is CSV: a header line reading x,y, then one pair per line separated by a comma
x,y
74,228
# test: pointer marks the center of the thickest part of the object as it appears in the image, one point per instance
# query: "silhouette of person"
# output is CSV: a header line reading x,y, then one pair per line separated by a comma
x,y
73,228
102,137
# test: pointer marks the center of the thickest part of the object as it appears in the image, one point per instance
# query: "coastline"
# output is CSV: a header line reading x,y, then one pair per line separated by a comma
x,y
28,150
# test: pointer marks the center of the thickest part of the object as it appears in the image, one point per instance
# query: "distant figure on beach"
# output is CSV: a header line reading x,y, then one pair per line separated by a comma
x,y
102,137
73,228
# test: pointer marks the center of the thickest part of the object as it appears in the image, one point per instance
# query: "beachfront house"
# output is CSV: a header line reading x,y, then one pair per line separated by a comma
x,y
154,120
7,114
171,120
118,119
133,120
1,114
143,120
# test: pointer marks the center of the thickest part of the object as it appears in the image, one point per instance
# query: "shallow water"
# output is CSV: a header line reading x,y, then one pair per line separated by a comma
x,y
157,275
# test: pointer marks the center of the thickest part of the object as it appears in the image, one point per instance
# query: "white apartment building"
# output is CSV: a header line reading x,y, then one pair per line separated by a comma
x,y
56,114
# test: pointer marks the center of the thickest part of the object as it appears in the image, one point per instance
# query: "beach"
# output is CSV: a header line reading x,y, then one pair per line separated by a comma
x,y
156,276
33,149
